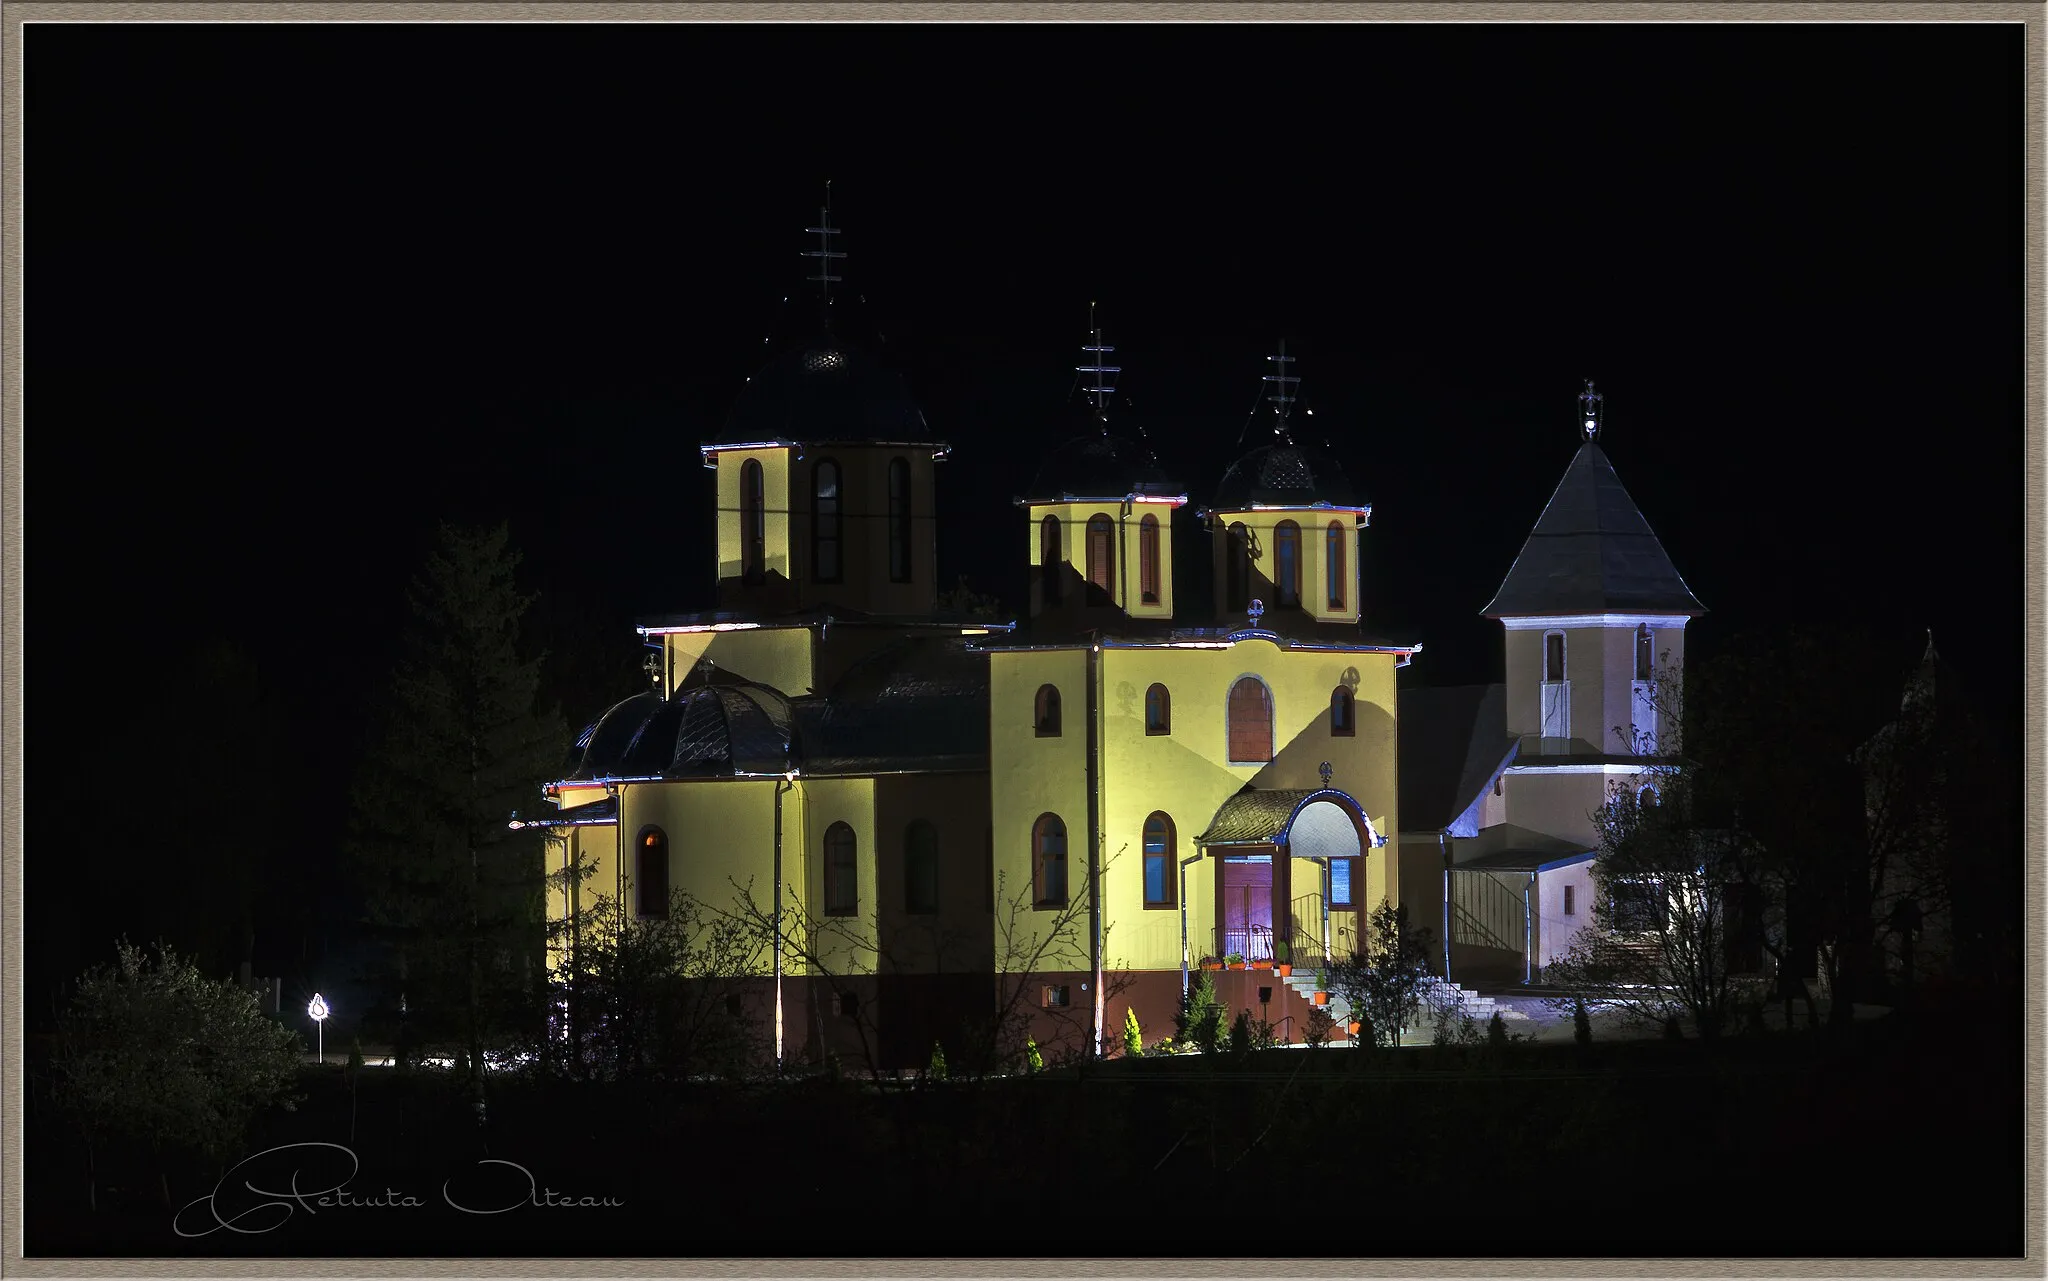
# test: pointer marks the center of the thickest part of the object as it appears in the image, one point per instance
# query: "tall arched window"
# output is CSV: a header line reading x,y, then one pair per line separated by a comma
x,y
1237,569
1045,711
842,871
1251,722
825,533
1049,557
753,522
1643,654
650,876
1333,563
1049,861
1158,710
1101,545
1159,861
921,869
1148,559
1343,719
899,520
1287,562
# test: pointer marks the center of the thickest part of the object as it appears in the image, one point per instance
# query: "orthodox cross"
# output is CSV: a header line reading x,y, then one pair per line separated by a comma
x,y
1325,770
1102,390
1283,391
1257,611
1589,411
824,253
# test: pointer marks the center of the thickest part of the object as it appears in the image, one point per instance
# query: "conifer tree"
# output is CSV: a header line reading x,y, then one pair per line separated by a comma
x,y
455,894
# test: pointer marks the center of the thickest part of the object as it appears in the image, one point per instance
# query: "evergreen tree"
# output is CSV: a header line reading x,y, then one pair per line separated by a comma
x,y
454,893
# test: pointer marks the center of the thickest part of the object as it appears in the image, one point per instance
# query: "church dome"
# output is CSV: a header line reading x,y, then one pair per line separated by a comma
x,y
1097,464
720,726
824,389
1284,474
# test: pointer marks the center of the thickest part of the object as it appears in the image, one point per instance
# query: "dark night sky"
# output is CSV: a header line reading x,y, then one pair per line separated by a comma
x,y
294,293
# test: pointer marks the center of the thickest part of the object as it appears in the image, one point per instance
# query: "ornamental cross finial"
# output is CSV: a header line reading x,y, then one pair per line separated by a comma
x,y
824,253
1257,611
1325,770
1589,411
1101,387
1283,391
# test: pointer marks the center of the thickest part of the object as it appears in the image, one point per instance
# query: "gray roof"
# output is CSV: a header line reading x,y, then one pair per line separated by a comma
x,y
1096,464
720,726
1284,474
1507,848
1258,817
1592,552
1453,742
824,389
920,704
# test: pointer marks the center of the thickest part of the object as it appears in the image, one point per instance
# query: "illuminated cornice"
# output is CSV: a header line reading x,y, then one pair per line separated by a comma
x,y
1179,500
1530,623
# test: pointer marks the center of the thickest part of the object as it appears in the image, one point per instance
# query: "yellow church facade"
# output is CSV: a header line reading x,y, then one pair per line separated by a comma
x,y
948,822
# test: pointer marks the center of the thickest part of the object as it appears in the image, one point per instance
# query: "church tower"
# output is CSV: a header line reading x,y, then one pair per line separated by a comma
x,y
1101,513
825,474
1594,612
1284,524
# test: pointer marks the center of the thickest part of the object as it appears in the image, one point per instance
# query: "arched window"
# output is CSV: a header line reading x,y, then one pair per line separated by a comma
x,y
825,534
1343,719
921,869
1045,711
899,520
753,523
1642,651
1158,710
1287,562
1159,861
1647,797
1049,557
1049,861
1148,559
842,871
1100,550
1237,569
1333,563
1251,722
650,876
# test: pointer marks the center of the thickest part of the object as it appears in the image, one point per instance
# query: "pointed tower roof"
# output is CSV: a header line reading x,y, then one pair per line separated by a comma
x,y
1591,551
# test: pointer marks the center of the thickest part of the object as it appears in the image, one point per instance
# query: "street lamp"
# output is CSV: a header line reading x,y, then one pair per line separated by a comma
x,y
317,1007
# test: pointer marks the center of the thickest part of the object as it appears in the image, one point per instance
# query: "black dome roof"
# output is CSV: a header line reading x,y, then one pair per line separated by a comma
x,y
719,726
824,389
1285,474
1097,464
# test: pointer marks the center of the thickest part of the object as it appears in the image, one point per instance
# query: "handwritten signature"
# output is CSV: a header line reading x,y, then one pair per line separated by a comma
x,y
238,1204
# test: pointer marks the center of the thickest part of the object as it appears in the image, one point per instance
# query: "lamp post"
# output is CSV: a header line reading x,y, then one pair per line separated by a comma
x,y
317,1007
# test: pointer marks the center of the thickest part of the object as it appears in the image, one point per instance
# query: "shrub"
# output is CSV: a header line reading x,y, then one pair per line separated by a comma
x,y
1241,1033
1316,1031
1033,1060
1582,1025
1200,1022
1496,1031
1134,1040
936,1069
1672,1030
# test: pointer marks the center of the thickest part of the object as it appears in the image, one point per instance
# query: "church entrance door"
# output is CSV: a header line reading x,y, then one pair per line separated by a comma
x,y
1245,907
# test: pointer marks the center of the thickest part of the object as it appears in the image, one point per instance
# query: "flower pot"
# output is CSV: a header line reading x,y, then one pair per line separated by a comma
x,y
1283,969
1354,1027
1262,965
1237,965
1212,965
1322,998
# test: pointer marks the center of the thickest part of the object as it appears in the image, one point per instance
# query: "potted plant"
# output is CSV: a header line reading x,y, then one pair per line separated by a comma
x,y
1262,963
1322,998
1234,961
1211,963
1281,962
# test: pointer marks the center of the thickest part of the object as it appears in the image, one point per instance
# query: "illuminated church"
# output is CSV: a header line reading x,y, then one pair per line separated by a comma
x,y
1057,816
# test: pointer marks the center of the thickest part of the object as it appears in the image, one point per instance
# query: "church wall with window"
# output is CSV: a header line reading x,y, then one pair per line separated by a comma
x,y
1186,774
1105,540
1266,549
1033,774
740,530
782,657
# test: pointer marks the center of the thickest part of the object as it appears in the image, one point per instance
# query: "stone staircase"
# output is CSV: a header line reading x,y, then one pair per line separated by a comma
x,y
1435,995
